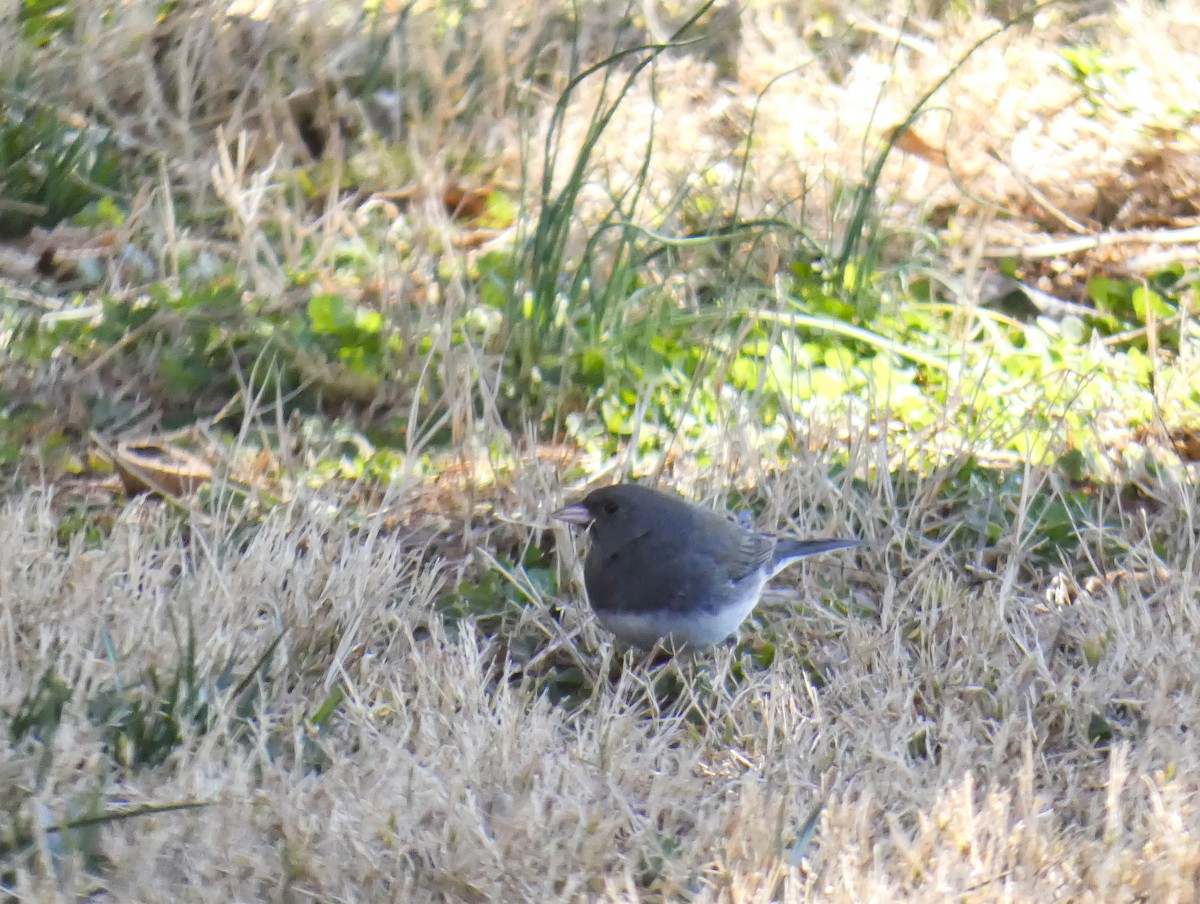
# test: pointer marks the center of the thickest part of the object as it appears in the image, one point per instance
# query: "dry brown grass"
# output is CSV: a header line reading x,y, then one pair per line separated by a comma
x,y
946,721
947,733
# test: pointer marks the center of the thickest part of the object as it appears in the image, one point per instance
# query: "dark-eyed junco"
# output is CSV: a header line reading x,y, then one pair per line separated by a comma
x,y
661,568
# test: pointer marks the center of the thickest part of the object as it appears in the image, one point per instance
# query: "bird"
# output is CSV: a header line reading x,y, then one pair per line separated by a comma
x,y
663,569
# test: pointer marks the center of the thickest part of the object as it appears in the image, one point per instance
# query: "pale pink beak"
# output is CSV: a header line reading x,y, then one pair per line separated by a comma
x,y
573,514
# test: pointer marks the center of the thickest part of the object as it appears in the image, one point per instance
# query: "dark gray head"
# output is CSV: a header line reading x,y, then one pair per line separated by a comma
x,y
625,511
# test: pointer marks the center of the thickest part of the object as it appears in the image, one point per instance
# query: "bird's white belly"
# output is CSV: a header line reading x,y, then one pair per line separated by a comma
x,y
699,629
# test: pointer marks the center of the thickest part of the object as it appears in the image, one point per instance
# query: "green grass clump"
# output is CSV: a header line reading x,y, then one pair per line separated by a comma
x,y
51,167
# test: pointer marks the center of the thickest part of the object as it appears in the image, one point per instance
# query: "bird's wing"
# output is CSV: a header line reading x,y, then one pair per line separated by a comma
x,y
754,552
735,551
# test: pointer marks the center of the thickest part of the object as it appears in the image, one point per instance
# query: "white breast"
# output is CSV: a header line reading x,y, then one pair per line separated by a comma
x,y
702,629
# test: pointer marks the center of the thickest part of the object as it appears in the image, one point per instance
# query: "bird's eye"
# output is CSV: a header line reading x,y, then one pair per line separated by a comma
x,y
611,507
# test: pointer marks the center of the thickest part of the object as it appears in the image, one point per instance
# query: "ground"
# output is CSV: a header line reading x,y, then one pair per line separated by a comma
x,y
313,314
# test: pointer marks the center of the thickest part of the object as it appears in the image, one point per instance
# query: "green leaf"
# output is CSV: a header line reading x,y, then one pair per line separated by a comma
x,y
330,314
370,322
1146,300
1073,464
827,384
1099,731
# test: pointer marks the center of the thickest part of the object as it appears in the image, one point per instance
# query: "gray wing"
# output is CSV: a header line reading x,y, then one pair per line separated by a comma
x,y
738,552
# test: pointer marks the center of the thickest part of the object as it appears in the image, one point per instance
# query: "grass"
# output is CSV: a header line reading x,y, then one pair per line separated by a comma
x,y
401,283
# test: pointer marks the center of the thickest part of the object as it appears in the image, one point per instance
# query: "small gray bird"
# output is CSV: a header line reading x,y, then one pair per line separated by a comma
x,y
661,568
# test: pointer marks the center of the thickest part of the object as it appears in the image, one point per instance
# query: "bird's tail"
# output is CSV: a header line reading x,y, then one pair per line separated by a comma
x,y
788,551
